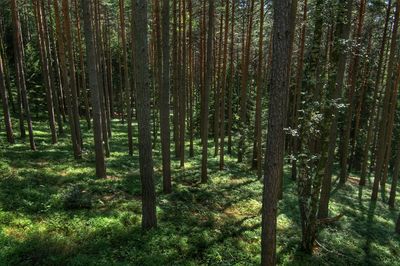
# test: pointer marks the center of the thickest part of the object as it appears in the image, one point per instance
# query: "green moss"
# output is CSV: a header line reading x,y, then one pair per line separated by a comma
x,y
217,223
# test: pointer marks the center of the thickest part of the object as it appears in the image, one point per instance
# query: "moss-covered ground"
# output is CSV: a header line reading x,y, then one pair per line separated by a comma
x,y
53,211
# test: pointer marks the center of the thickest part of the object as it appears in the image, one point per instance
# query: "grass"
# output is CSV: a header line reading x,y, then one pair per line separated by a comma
x,y
53,211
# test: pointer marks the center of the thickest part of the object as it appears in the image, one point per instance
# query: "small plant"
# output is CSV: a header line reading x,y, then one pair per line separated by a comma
x,y
77,198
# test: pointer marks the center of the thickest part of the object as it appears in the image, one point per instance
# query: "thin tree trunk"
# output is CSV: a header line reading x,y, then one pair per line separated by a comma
x,y
149,219
207,85
94,89
44,58
244,83
375,105
21,83
278,91
164,100
383,132
4,99
231,80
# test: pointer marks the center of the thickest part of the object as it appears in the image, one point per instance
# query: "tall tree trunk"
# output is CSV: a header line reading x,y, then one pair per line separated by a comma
x,y
339,59
244,83
257,128
353,75
149,219
126,82
4,99
44,58
164,100
206,92
375,105
94,89
83,88
278,91
64,38
231,79
20,74
383,125
297,96
190,80
223,88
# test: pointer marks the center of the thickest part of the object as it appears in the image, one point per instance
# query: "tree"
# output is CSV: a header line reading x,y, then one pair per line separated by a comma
x,y
338,61
94,89
383,125
206,91
4,100
258,130
278,91
149,219
164,100
20,73
44,58
244,84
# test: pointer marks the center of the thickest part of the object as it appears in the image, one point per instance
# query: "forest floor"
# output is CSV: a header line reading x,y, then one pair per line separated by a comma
x,y
53,211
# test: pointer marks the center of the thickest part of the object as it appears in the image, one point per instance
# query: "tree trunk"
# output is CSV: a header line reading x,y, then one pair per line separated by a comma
x,y
383,126
223,89
20,71
149,219
231,80
244,83
258,130
44,58
164,100
278,91
4,99
94,89
339,58
353,75
206,92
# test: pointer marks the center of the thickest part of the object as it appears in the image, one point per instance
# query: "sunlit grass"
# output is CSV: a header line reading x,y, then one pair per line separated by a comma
x,y
217,223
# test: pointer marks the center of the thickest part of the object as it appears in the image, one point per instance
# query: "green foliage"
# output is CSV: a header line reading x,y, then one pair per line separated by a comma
x,y
43,222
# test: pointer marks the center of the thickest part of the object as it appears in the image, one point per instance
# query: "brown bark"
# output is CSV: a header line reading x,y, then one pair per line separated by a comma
x,y
20,74
94,89
44,58
207,85
149,219
164,100
4,100
231,79
383,125
353,75
244,84
374,115
223,88
278,91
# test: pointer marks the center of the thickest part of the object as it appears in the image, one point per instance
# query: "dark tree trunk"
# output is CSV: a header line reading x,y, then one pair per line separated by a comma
x,y
94,89
278,91
339,58
207,85
164,100
383,124
149,219
20,71
4,99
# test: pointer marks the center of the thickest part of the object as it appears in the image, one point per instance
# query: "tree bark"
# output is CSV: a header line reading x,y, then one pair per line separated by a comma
x,y
278,91
164,100
20,72
4,99
207,85
94,89
383,125
149,219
